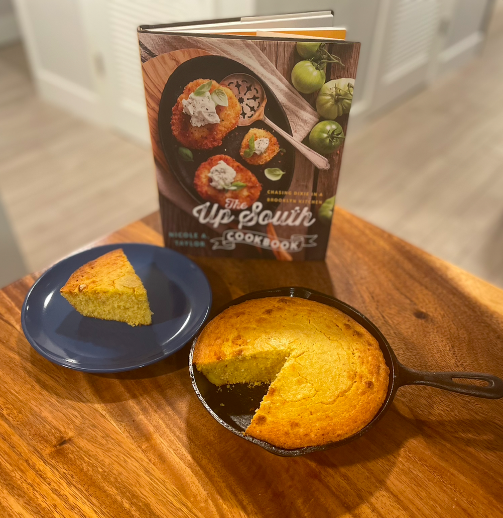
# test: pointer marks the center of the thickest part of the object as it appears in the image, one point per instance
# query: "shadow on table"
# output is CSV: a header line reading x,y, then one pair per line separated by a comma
x,y
329,483
229,278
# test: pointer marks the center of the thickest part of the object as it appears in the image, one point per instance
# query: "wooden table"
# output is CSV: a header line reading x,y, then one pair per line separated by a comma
x,y
140,444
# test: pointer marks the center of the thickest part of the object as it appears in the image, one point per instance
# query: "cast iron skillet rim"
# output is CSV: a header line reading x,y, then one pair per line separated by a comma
x,y
306,293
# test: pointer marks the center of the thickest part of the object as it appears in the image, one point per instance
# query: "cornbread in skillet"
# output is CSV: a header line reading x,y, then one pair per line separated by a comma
x,y
327,374
108,288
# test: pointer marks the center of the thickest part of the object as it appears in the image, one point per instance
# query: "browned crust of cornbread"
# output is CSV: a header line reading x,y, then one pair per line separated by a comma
x,y
334,380
110,273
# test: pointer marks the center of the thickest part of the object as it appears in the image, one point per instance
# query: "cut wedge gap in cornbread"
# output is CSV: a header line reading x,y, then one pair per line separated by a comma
x,y
109,289
253,369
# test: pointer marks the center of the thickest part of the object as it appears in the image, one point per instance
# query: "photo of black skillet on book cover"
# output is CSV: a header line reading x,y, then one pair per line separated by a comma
x,y
247,134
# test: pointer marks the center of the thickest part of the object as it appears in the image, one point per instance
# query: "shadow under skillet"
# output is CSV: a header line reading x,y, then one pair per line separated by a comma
x,y
261,476
352,473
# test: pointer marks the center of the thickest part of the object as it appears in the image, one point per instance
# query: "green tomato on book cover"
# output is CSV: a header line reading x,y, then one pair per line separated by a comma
x,y
327,210
335,98
326,137
308,76
307,49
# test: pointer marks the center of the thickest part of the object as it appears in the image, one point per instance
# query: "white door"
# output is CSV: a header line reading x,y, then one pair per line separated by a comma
x,y
111,26
465,28
409,32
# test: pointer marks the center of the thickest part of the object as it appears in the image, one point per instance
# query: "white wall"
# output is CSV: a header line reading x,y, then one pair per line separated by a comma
x,y
9,31
465,33
11,261
54,37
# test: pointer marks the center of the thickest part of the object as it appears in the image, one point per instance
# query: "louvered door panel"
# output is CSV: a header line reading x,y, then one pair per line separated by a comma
x,y
408,48
123,63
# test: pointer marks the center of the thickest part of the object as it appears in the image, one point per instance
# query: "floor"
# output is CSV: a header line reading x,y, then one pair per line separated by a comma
x,y
439,184
63,181
431,171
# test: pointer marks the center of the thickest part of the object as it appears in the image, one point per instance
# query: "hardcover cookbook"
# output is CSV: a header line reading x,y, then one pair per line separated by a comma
x,y
248,119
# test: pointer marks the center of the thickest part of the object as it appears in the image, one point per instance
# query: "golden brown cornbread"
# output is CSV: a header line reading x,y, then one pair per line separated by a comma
x,y
328,375
108,288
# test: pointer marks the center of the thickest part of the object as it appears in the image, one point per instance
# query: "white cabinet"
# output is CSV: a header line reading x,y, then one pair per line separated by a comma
x,y
417,40
84,53
465,26
407,48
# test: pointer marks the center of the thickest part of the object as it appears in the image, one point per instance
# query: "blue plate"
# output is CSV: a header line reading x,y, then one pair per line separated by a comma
x,y
179,295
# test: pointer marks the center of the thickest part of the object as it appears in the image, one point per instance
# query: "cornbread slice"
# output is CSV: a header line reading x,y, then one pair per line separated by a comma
x,y
108,288
327,374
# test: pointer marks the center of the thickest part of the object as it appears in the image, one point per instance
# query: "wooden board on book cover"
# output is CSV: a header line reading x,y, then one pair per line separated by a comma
x,y
140,444
307,178
327,183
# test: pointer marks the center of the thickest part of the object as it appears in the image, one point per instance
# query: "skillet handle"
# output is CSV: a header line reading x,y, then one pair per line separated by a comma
x,y
444,381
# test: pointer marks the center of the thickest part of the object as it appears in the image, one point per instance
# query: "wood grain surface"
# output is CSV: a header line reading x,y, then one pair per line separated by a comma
x,y
140,444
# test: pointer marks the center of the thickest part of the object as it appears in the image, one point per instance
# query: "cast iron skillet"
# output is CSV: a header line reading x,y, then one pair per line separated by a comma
x,y
235,405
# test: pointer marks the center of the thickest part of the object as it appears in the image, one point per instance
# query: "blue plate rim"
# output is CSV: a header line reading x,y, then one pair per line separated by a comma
x,y
199,323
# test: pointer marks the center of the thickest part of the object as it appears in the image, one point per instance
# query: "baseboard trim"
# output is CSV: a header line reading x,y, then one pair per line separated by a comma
x,y
459,53
70,96
131,120
9,29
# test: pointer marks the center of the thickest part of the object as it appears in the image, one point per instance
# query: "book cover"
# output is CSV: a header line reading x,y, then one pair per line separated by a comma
x,y
247,135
